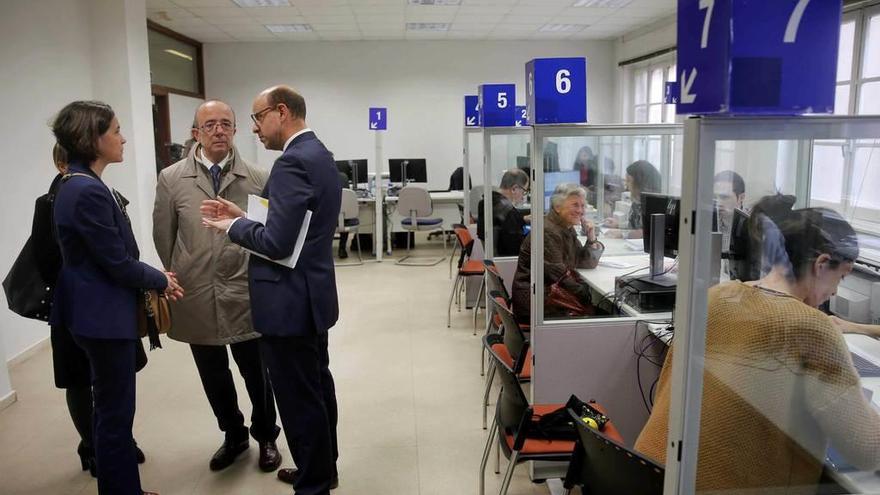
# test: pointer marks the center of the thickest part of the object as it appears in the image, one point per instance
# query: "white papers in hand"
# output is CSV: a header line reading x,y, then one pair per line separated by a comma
x,y
258,211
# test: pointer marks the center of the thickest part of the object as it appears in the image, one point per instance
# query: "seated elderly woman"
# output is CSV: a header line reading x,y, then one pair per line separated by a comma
x,y
563,255
779,384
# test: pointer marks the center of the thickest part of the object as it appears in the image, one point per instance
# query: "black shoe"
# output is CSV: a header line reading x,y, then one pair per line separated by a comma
x,y
290,475
342,254
270,458
226,454
87,459
139,454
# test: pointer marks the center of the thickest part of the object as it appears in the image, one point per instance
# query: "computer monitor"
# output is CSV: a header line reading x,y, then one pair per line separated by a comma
x,y
356,170
669,206
553,179
416,170
742,265
523,162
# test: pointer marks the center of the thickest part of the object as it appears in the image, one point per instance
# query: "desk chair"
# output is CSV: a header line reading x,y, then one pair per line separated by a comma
x,y
602,464
513,344
414,203
515,425
466,268
349,222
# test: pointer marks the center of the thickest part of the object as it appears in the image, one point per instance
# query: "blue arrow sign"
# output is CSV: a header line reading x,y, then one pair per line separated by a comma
x,y
471,111
378,119
522,116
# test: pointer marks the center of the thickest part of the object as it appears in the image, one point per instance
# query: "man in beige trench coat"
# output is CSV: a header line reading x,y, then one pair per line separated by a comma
x,y
216,312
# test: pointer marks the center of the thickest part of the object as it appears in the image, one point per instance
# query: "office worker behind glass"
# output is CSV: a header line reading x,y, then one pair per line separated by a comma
x,y
563,252
641,177
97,291
507,221
778,383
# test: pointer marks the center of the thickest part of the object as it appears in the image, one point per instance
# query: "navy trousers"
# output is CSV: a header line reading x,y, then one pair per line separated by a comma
x,y
112,364
306,397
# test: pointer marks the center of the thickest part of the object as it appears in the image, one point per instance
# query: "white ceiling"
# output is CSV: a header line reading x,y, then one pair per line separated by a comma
x,y
212,21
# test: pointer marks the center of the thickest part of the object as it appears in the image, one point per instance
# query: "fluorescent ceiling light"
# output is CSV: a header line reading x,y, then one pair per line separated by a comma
x,y
289,28
262,3
178,54
561,28
435,2
608,4
427,26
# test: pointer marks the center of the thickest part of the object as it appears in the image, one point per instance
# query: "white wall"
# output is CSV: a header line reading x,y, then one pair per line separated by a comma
x,y
181,110
421,83
57,51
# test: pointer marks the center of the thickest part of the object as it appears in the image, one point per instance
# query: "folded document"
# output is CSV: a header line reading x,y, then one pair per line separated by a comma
x,y
258,211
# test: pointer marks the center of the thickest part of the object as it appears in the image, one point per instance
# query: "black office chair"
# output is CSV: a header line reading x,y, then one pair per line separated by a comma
x,y
603,465
514,348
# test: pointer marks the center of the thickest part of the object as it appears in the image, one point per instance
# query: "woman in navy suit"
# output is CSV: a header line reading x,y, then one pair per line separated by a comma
x,y
98,288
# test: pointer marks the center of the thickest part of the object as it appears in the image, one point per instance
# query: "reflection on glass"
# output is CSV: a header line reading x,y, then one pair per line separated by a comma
x,y
866,177
869,98
657,88
641,88
841,99
828,160
845,51
173,64
871,58
509,168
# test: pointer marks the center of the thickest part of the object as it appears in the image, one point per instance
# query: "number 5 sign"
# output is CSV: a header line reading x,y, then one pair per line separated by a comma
x,y
757,57
556,90
497,105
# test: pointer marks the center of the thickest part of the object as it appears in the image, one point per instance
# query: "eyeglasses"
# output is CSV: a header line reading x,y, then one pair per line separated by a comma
x,y
212,126
525,190
258,116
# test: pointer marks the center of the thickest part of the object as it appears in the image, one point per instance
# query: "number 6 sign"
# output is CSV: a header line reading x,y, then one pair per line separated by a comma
x,y
557,90
757,57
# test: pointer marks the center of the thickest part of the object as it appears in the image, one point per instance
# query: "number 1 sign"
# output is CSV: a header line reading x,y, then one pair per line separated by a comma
x,y
556,90
757,57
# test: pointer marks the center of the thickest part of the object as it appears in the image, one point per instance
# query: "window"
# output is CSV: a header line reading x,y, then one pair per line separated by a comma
x,y
846,174
649,89
175,62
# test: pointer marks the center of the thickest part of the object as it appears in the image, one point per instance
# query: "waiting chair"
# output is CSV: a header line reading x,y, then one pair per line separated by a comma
x,y
601,464
349,222
515,426
466,268
514,345
414,204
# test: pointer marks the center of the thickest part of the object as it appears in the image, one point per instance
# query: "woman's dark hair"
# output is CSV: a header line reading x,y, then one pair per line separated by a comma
x,y
591,165
78,126
797,237
645,177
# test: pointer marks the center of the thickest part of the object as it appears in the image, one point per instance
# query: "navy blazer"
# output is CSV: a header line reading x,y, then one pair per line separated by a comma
x,y
97,291
302,301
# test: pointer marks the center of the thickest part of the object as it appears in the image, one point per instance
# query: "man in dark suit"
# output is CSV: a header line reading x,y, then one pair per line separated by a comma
x,y
294,308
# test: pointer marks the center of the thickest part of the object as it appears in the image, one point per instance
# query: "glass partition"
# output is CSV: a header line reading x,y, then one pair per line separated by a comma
x,y
472,140
762,391
587,223
505,220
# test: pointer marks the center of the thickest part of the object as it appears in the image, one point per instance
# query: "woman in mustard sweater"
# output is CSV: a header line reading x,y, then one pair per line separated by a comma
x,y
778,382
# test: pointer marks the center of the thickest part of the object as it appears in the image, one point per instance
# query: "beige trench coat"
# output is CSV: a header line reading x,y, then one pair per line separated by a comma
x,y
212,270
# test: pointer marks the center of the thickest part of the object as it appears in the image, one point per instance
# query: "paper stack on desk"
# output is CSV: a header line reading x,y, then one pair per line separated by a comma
x,y
615,263
258,211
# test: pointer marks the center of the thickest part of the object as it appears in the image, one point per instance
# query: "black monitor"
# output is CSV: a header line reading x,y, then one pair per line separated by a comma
x,y
653,203
355,170
416,170
742,266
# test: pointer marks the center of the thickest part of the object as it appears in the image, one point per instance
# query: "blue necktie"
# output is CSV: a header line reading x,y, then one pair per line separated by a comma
x,y
215,175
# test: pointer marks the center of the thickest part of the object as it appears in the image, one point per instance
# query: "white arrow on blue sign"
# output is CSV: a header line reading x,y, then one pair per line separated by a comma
x,y
378,119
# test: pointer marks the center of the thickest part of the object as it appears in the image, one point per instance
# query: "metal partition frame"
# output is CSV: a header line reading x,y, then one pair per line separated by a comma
x,y
466,165
701,134
488,133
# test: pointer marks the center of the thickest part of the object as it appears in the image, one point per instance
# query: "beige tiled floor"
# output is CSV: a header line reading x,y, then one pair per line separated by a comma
x,y
408,388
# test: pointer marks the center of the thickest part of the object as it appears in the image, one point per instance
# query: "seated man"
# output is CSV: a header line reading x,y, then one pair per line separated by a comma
x,y
507,221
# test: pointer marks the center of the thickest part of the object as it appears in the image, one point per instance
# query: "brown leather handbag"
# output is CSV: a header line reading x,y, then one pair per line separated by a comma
x,y
561,301
154,316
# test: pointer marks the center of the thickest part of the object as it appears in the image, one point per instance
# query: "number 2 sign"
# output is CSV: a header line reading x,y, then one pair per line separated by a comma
x,y
757,57
556,90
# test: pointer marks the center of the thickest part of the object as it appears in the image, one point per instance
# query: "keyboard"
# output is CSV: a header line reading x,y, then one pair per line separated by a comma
x,y
865,368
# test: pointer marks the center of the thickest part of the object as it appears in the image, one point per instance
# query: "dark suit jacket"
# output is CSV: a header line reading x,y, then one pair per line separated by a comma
x,y
507,225
302,301
97,289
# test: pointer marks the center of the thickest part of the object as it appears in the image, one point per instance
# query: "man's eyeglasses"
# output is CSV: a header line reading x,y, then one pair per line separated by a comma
x,y
258,116
212,126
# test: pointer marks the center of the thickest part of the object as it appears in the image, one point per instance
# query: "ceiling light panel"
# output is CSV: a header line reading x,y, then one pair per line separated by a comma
x,y
438,3
561,28
289,28
247,4
427,26
604,4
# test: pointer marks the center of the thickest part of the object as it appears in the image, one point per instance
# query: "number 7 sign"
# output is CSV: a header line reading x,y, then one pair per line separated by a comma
x,y
757,57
